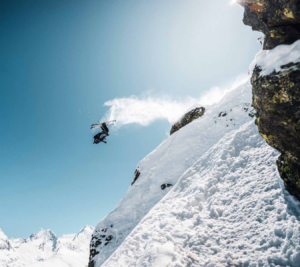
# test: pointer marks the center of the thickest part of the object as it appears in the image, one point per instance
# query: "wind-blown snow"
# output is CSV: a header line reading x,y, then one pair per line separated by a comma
x,y
45,249
229,209
167,163
145,110
270,60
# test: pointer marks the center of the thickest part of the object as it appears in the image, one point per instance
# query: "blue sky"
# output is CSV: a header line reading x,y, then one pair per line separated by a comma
x,y
61,60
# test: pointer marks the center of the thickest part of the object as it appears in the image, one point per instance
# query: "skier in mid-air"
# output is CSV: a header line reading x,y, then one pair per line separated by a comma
x,y
101,137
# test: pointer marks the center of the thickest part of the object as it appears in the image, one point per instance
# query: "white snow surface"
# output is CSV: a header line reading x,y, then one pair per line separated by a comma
x,y
166,164
228,209
274,59
45,249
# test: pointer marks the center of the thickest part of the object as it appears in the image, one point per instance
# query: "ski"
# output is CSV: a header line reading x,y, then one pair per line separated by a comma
x,y
95,125
98,123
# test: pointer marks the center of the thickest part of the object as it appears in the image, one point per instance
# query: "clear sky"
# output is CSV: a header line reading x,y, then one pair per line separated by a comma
x,y
61,60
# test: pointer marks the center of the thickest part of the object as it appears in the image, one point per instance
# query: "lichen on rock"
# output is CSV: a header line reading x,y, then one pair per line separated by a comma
x,y
278,20
188,118
276,81
276,99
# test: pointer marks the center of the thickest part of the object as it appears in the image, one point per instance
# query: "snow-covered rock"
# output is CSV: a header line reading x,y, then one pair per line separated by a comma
x,y
165,165
45,249
274,60
187,118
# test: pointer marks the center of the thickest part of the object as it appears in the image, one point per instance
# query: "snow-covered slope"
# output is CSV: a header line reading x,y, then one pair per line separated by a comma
x,y
45,249
165,165
228,209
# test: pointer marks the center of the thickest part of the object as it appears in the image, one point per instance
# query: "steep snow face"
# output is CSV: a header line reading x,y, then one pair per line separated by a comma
x,y
165,165
46,249
228,209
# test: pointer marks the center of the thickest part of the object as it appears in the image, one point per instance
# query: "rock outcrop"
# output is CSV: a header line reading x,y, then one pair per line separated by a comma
x,y
137,174
278,20
188,118
276,99
276,82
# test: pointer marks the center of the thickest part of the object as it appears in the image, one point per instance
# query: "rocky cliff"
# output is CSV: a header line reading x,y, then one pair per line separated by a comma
x,y
276,82
278,20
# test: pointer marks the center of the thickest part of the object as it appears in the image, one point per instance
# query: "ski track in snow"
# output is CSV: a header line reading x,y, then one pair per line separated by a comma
x,y
229,209
166,164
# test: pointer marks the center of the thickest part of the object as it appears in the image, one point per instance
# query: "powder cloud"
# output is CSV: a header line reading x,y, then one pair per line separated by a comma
x,y
145,110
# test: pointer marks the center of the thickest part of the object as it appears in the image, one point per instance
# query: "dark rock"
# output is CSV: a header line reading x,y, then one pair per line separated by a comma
x,y
252,114
188,118
164,186
276,99
278,20
137,174
222,114
93,252
110,237
290,173
97,242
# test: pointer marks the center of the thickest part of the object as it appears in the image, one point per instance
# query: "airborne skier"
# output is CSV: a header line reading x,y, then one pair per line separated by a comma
x,y
101,137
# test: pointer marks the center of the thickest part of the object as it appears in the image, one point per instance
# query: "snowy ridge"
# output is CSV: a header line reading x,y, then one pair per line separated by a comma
x,y
229,209
273,60
4,243
165,165
44,249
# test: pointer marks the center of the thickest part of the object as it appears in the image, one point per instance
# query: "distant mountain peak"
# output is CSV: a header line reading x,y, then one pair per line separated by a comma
x,y
4,242
44,234
44,248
